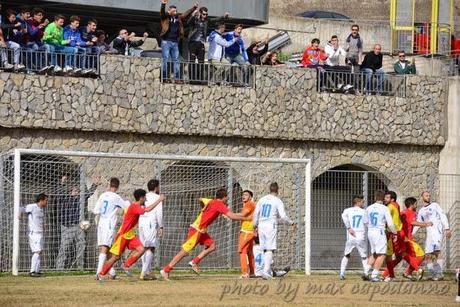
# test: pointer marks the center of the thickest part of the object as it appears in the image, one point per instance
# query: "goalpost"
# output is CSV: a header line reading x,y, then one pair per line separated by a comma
x,y
73,177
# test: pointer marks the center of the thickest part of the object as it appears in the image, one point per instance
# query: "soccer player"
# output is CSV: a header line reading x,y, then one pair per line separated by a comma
x,y
35,223
106,209
246,241
353,218
432,212
395,244
413,253
150,229
197,234
259,262
376,218
265,223
126,237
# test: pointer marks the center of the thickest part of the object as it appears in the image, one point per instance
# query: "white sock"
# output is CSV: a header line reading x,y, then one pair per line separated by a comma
x,y
146,261
112,272
365,266
33,262
268,259
101,262
150,260
430,268
375,273
343,265
438,266
37,263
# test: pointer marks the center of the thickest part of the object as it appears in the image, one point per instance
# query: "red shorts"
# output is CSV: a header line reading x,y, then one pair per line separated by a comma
x,y
121,244
194,238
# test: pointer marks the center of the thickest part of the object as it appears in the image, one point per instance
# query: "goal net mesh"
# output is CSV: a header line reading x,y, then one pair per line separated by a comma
x,y
74,183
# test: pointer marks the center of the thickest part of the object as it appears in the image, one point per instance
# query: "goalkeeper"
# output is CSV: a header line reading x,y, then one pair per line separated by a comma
x,y
211,209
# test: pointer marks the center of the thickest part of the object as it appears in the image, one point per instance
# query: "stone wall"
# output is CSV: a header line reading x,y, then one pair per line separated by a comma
x,y
284,105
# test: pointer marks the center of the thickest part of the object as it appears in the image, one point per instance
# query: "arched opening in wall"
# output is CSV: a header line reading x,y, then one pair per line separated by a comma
x,y
332,192
184,182
41,174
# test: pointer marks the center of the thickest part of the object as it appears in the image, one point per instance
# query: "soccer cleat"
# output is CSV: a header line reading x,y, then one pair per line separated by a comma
x,y
194,267
114,277
253,276
408,276
388,279
365,277
34,274
127,271
376,279
147,276
244,276
419,275
101,278
267,276
283,272
164,275
342,277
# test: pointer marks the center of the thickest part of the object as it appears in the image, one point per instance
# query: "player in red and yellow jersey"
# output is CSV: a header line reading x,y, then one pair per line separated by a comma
x,y
211,209
246,242
126,236
395,246
413,253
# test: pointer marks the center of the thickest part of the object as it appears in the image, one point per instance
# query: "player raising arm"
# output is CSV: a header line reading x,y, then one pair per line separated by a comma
x,y
376,218
126,237
432,212
266,214
105,210
35,223
353,218
197,233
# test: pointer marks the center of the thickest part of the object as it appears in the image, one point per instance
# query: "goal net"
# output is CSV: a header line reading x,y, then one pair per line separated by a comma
x,y
74,180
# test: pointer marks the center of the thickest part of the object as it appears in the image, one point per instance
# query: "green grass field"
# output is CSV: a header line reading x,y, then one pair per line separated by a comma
x,y
222,289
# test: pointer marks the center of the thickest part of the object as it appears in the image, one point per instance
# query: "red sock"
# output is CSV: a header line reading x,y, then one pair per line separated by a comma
x,y
196,260
105,269
391,268
130,261
415,262
167,268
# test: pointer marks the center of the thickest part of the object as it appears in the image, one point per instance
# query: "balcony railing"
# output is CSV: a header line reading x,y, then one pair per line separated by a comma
x,y
71,61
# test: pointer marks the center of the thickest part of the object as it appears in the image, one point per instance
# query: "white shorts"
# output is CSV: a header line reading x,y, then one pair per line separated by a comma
x,y
377,241
149,236
36,242
359,243
105,235
267,236
433,243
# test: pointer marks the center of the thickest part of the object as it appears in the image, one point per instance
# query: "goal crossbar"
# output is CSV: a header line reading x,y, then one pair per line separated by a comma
x,y
18,152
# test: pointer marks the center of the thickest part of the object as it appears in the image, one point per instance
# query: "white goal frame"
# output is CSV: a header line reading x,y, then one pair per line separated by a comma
x,y
18,152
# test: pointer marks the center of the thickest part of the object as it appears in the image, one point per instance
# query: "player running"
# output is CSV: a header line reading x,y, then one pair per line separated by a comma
x,y
197,233
265,223
246,240
353,218
126,237
35,223
413,253
432,212
395,244
376,218
106,209
150,229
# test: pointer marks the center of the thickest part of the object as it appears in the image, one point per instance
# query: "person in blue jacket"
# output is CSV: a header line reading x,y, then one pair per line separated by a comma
x,y
236,54
72,34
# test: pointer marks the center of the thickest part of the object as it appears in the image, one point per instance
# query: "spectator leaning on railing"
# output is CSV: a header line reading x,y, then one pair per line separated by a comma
x,y
124,42
172,30
372,64
403,66
12,35
35,29
73,36
101,44
334,52
236,52
314,56
271,59
216,51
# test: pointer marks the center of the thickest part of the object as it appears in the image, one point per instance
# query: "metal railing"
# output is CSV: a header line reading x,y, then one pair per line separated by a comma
x,y
365,83
208,74
70,61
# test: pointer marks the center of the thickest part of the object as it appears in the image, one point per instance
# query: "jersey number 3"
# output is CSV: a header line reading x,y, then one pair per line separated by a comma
x,y
106,204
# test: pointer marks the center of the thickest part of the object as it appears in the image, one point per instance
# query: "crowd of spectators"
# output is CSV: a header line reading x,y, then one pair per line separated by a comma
x,y
67,46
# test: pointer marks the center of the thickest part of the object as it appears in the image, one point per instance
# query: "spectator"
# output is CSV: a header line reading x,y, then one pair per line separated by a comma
x,y
403,66
55,43
73,36
23,17
372,64
172,30
11,30
256,51
88,35
33,38
354,48
198,25
71,211
124,42
216,51
236,52
313,56
271,59
334,52
101,44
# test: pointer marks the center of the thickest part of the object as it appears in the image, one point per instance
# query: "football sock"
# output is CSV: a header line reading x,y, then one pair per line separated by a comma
x,y
365,266
437,266
37,263
33,264
130,261
244,263
196,260
268,256
105,268
146,261
251,262
343,265
101,262
430,268
167,268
